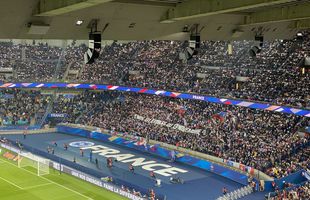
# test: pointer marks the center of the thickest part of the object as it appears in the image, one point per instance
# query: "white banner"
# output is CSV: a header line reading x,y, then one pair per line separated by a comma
x,y
167,124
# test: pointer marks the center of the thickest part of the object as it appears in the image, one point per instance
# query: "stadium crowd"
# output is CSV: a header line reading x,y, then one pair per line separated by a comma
x,y
293,193
19,107
273,76
233,133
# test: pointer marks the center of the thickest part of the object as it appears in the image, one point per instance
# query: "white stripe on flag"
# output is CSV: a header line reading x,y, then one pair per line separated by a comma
x,y
159,92
26,84
245,103
40,85
113,88
294,110
279,110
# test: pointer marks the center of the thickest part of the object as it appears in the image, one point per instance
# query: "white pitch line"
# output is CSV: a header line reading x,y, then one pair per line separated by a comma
x,y
88,198
11,183
36,186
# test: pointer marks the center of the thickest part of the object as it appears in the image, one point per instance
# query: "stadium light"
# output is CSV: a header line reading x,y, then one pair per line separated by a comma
x,y
79,22
299,36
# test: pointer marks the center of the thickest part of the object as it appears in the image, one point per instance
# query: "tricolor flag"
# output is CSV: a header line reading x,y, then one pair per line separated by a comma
x,y
112,87
220,116
26,84
72,85
159,92
154,147
242,167
142,90
93,86
5,85
140,142
175,94
40,85
250,170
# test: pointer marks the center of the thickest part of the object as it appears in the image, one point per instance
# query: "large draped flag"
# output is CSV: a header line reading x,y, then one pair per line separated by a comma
x,y
220,116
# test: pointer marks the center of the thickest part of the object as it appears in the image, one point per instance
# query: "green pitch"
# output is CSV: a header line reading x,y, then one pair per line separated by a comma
x,y
23,184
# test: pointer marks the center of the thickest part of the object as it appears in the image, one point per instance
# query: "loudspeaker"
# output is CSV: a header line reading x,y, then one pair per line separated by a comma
x,y
254,51
192,49
94,48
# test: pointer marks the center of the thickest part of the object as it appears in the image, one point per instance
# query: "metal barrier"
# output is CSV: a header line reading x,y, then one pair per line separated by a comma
x,y
237,194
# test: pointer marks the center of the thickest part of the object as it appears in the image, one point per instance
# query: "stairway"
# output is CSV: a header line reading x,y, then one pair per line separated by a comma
x,y
48,110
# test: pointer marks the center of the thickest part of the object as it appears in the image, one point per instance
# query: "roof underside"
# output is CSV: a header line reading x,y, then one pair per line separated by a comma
x,y
155,19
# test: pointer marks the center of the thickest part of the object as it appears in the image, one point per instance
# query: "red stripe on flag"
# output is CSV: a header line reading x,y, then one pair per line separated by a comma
x,y
227,103
143,90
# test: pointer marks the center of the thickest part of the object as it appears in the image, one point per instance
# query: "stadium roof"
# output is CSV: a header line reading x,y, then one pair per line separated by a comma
x,y
153,19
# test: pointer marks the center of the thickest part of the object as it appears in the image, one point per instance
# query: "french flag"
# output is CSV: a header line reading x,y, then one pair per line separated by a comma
x,y
220,116
154,147
140,142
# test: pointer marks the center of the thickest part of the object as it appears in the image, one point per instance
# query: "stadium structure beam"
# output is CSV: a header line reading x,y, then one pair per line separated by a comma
x,y
300,24
147,2
281,14
202,8
48,8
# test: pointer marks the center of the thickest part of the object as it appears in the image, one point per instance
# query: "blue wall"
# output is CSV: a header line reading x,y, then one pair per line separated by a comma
x,y
158,151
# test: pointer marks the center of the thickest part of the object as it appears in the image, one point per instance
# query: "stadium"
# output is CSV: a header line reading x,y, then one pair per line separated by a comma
x,y
155,100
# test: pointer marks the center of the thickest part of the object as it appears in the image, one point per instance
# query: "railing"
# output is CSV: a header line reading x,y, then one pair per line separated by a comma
x,y
237,194
21,131
56,75
67,71
48,110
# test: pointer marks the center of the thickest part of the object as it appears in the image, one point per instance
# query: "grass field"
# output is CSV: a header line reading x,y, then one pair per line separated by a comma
x,y
23,184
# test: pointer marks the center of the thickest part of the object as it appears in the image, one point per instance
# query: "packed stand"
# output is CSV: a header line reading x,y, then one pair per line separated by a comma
x,y
234,133
273,76
292,192
36,62
74,106
21,107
